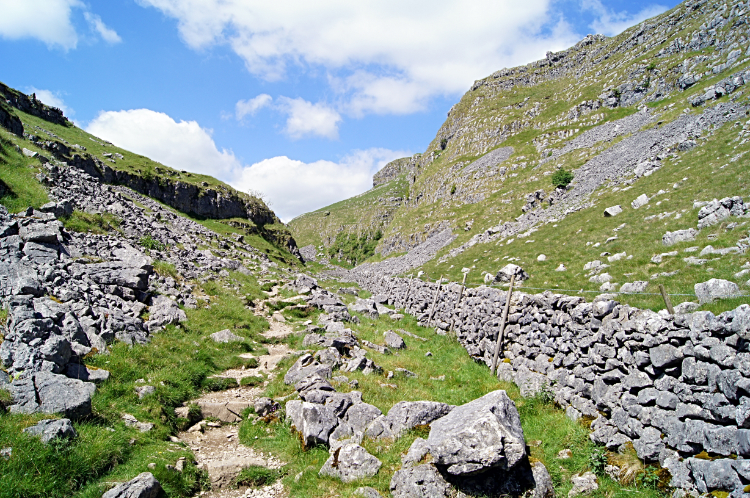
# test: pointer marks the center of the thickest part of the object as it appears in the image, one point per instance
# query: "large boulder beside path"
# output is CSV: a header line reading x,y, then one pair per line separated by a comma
x,y
478,436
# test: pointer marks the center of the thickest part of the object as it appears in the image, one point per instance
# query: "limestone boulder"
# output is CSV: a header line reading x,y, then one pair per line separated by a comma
x,y
422,481
480,435
48,430
350,462
406,415
313,421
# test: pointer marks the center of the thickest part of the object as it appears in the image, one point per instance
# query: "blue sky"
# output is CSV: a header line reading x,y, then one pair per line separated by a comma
x,y
302,101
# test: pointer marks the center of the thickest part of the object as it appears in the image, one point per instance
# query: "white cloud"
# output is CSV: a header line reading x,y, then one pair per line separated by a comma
x,y
45,20
295,187
612,23
307,119
108,34
184,145
53,99
385,56
251,106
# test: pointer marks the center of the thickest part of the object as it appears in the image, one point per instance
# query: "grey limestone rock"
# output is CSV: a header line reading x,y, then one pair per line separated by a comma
x,y
716,288
671,238
356,420
87,374
422,481
417,451
305,283
52,429
144,485
164,311
633,287
225,336
393,340
714,212
119,274
665,355
367,492
686,307
543,486
350,462
45,392
713,475
405,415
143,391
366,307
313,421
639,201
583,484
265,406
649,445
530,383
741,321
306,366
482,434
508,271
329,356
613,210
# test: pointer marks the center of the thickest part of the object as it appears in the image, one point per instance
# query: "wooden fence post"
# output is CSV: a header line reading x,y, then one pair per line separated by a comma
x,y
434,300
460,296
501,333
667,301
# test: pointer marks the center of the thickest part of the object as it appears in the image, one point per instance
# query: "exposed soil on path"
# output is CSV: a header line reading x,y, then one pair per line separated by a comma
x,y
217,449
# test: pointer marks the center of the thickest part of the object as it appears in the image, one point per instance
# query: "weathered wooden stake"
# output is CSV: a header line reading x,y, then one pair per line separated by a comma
x,y
501,333
460,296
434,300
667,301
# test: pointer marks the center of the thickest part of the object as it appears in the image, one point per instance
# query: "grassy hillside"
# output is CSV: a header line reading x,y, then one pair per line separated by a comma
x,y
538,109
22,188
363,214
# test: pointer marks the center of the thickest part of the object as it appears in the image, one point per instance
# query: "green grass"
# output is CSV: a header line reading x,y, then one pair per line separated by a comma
x,y
709,173
18,174
99,223
166,269
256,476
179,363
132,163
465,380
151,243
365,213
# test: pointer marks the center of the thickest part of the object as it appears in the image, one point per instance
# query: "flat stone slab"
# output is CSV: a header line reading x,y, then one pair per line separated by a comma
x,y
229,412
45,392
226,335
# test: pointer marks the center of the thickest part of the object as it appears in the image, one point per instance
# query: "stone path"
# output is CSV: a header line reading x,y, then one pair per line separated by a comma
x,y
217,448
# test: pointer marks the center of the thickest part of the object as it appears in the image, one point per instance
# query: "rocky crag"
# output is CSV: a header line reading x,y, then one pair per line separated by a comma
x,y
179,189
71,294
609,109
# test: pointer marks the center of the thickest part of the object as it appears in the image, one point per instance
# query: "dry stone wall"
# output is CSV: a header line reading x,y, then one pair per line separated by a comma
x,y
676,387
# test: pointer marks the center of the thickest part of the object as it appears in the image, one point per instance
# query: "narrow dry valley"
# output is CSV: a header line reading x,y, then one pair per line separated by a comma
x,y
552,300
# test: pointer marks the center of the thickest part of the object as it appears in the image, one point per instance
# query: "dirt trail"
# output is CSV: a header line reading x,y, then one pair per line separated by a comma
x,y
217,448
